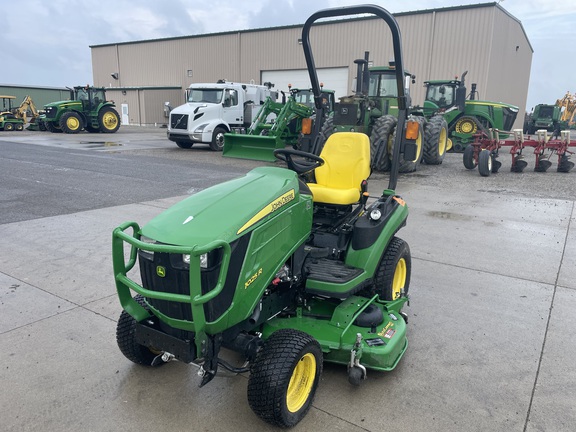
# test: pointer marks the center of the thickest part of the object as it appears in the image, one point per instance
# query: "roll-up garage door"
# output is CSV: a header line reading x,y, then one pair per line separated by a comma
x,y
333,78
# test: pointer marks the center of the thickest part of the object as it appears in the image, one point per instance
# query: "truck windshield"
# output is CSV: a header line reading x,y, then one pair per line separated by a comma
x,y
205,95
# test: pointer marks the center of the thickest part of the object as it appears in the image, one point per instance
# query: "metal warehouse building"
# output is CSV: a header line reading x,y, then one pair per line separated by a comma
x,y
483,39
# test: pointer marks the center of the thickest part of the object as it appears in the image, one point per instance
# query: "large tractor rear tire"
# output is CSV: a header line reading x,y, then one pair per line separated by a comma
x,y
326,130
284,378
108,120
381,142
71,123
435,140
408,166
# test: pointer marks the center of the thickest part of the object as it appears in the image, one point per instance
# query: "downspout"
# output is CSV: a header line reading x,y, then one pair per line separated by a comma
x,y
430,52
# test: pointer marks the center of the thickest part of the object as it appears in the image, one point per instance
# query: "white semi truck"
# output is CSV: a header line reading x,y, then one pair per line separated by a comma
x,y
212,110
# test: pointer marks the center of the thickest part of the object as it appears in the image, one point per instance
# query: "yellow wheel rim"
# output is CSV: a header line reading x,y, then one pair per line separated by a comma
x,y
72,123
109,120
399,279
466,126
418,147
301,383
443,142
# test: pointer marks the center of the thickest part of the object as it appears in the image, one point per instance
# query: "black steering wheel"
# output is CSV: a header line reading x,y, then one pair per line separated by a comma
x,y
306,163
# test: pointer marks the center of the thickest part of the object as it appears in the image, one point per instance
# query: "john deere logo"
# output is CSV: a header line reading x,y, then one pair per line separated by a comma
x,y
161,271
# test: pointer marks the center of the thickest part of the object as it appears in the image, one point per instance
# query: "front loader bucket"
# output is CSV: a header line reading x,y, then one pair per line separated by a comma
x,y
255,147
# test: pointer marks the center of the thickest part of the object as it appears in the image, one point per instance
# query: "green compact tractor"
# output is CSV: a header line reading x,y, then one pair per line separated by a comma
x,y
88,109
287,267
9,121
466,117
291,120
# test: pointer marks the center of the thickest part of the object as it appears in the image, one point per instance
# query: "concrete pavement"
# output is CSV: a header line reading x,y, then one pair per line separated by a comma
x,y
492,330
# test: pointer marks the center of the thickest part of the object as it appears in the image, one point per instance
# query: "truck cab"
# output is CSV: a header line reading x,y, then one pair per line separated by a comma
x,y
211,110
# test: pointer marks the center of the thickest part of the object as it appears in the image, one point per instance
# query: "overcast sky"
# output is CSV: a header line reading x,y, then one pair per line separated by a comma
x,y
46,43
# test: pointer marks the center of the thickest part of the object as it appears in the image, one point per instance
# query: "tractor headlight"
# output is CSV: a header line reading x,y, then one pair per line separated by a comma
x,y
203,260
144,253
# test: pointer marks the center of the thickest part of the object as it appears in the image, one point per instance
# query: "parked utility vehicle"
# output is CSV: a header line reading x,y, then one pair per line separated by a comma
x,y
288,267
211,110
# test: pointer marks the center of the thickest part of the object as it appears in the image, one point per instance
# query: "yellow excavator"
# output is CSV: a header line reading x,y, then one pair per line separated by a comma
x,y
567,107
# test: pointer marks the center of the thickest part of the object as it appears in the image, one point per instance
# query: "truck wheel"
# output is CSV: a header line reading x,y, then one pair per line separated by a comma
x,y
132,350
393,274
284,378
108,120
485,163
70,123
381,142
468,157
435,140
19,127
184,144
217,143
8,127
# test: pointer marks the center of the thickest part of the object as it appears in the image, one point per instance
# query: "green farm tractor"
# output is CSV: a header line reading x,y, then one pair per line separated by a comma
x,y
286,267
466,117
373,110
87,109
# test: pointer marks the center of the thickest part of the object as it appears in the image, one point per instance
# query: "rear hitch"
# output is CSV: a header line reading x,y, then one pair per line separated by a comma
x,y
165,357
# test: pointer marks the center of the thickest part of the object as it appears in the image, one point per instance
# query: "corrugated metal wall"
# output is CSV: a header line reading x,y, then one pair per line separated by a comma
x,y
40,95
437,44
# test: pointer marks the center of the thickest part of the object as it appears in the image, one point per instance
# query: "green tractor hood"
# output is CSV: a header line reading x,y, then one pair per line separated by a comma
x,y
226,211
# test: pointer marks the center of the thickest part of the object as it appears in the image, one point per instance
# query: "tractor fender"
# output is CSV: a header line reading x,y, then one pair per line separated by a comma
x,y
365,251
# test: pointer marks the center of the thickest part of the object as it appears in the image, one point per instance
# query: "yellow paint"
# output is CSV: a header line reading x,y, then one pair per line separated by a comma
x,y
252,279
279,202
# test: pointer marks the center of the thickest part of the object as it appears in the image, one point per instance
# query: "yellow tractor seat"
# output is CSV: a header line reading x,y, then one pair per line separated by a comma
x,y
346,164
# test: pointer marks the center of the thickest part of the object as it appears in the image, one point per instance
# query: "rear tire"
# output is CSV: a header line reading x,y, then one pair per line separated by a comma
x,y
108,120
380,142
326,130
8,127
408,166
217,143
125,337
284,377
19,127
435,140
392,279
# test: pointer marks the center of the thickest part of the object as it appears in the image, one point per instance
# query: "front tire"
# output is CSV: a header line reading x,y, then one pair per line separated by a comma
x,y
70,123
52,127
125,338
217,143
284,377
485,163
8,127
184,144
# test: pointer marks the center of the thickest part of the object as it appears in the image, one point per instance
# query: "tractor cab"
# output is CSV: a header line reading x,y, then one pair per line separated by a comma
x,y
383,89
443,95
91,97
306,97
